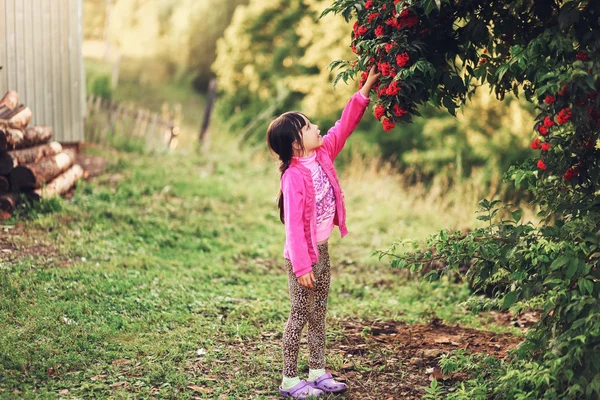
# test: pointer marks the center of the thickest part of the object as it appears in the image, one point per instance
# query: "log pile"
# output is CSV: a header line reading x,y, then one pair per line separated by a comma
x,y
30,162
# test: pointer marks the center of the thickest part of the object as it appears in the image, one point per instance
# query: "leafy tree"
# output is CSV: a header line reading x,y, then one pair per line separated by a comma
x,y
441,52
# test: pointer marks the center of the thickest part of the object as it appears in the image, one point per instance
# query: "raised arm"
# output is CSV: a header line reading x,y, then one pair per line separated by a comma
x,y
336,137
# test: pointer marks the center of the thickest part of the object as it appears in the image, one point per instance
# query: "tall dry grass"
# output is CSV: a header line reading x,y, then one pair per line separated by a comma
x,y
385,205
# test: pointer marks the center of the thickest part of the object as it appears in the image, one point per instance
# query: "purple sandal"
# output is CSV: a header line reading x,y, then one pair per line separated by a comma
x,y
301,391
327,384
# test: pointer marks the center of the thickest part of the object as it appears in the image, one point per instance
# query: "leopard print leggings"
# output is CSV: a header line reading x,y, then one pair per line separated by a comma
x,y
307,305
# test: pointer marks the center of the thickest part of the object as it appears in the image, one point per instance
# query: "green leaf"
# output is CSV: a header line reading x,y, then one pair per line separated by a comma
x,y
443,236
591,82
502,70
589,286
568,16
509,299
519,175
399,6
516,215
559,262
572,268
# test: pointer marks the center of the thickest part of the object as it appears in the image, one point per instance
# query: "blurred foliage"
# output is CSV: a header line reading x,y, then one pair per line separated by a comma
x,y
99,85
97,80
266,48
94,13
172,38
486,135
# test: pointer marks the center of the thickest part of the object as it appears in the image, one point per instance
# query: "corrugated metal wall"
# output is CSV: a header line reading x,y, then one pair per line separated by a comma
x,y
40,52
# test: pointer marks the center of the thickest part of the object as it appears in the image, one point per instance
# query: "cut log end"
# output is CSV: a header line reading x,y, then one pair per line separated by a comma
x,y
4,185
9,201
22,177
10,100
6,163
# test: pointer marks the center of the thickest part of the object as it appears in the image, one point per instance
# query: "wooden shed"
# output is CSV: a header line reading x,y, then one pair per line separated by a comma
x,y
41,58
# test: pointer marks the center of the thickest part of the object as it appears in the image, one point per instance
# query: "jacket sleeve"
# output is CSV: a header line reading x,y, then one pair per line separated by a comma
x,y
292,187
336,137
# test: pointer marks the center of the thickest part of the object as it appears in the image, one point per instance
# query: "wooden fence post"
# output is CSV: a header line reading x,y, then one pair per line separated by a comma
x,y
151,132
210,99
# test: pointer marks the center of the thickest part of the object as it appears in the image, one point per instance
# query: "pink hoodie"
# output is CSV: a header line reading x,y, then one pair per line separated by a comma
x,y
299,207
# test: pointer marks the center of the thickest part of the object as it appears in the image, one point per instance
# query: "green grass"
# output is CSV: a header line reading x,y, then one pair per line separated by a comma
x,y
167,254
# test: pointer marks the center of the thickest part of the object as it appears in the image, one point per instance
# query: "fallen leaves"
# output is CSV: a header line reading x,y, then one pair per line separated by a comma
x,y
53,371
436,373
118,385
201,389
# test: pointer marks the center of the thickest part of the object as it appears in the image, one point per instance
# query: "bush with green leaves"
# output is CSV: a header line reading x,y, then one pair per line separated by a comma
x,y
440,52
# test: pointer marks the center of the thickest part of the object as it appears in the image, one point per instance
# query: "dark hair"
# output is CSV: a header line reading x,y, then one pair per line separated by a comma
x,y
282,132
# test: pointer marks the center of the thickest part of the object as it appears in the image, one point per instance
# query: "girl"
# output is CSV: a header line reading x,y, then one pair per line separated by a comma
x,y
310,204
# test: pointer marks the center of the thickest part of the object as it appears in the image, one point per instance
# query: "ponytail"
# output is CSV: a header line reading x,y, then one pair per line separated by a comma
x,y
282,133
282,168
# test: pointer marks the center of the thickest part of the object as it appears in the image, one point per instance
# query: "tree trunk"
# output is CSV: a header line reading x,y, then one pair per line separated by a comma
x,y
4,185
10,99
61,184
9,201
212,95
30,155
19,139
34,175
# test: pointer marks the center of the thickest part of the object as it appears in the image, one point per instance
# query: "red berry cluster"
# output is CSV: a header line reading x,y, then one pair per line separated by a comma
x,y
381,24
569,104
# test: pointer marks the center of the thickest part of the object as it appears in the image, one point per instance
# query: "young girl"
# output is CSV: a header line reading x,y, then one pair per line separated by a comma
x,y
310,204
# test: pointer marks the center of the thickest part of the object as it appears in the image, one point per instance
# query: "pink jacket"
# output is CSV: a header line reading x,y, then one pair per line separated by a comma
x,y
299,207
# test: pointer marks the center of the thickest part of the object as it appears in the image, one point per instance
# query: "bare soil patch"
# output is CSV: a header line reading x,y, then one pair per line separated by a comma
x,y
16,243
94,165
393,360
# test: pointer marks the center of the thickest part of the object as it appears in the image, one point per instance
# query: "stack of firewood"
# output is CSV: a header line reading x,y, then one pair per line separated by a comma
x,y
30,162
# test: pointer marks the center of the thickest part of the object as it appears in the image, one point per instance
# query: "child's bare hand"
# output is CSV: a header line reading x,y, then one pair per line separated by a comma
x,y
373,76
371,81
307,280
